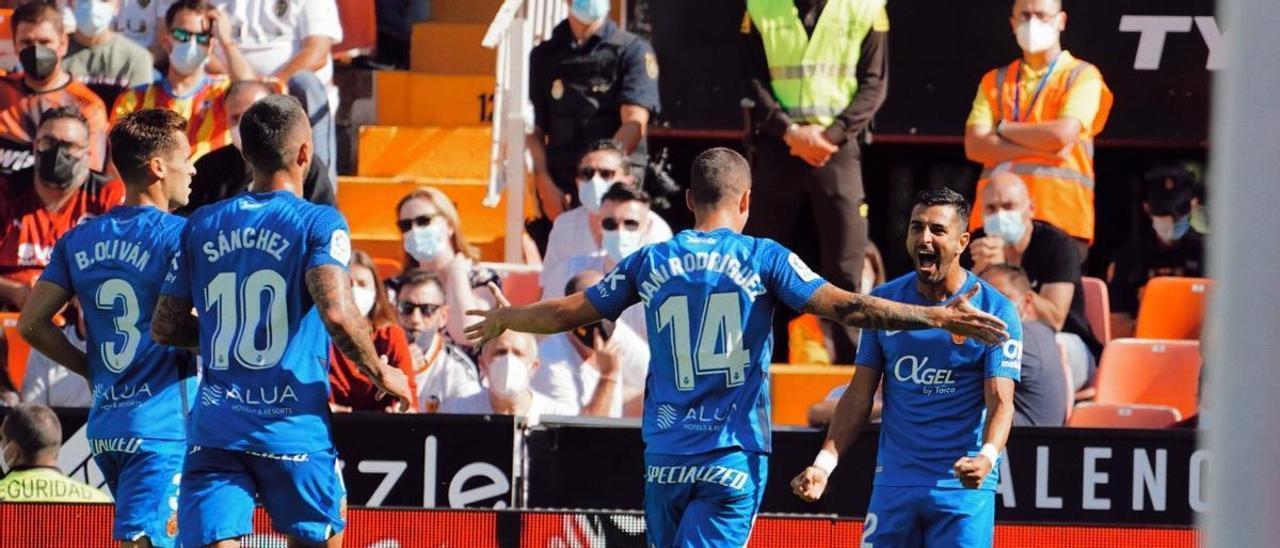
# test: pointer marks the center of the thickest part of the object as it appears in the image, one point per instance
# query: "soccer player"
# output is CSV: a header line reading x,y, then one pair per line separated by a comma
x,y
708,295
115,264
948,399
267,273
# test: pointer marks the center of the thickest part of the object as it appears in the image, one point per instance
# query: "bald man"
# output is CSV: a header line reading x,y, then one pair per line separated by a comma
x,y
1009,235
223,172
509,362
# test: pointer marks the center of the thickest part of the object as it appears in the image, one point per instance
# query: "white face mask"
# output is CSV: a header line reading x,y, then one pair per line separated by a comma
x,y
589,11
424,339
235,136
188,57
424,243
591,193
365,297
508,376
1036,36
1007,224
868,281
94,17
620,243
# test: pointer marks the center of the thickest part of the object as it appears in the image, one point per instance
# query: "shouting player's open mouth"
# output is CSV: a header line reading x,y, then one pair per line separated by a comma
x,y
926,260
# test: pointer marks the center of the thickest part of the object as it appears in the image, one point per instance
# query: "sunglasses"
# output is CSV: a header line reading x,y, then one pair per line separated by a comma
x,y
587,173
427,309
185,36
611,224
406,225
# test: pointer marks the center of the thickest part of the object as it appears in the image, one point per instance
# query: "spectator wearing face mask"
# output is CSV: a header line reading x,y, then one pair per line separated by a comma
x,y
599,367
624,218
42,204
186,88
578,232
223,173
101,58
351,389
1039,399
434,242
40,39
508,363
1167,246
441,370
1049,259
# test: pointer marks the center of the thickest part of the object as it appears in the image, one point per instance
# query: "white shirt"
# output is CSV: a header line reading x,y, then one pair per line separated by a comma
x,y
48,383
571,236
569,379
479,404
450,375
270,32
138,19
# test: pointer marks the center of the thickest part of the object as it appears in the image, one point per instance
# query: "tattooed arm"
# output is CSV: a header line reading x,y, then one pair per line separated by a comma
x,y
330,288
869,312
173,324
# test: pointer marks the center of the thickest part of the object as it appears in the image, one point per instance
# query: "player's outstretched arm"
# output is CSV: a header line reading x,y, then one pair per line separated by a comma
x,y
998,393
330,288
540,318
36,326
173,324
850,415
870,312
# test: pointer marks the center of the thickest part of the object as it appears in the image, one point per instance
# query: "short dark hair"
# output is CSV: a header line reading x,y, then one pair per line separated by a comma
x,y
35,13
416,278
1014,273
577,282
716,174
621,192
36,430
140,136
605,144
945,197
268,129
198,6
63,113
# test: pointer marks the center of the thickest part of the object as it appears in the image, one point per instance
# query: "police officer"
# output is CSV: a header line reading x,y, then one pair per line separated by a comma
x,y
817,73
591,80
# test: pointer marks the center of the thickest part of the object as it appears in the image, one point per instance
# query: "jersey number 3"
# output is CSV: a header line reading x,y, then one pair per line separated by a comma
x,y
720,348
240,312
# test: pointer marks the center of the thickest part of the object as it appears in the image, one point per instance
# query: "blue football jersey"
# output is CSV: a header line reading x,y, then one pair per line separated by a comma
x,y
263,349
934,407
115,264
708,303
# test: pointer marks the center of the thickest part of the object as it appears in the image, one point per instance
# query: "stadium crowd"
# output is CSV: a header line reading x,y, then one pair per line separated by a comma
x,y
86,63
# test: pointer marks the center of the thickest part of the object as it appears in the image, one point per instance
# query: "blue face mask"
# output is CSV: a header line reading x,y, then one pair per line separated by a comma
x,y
589,11
1169,229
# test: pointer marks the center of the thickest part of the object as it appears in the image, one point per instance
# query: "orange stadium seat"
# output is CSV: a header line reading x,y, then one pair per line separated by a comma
x,y
1093,415
1097,307
1172,308
359,28
1150,371
387,267
521,283
793,388
18,348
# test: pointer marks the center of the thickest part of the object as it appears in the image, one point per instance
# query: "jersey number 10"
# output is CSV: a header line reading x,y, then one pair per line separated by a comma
x,y
239,314
721,320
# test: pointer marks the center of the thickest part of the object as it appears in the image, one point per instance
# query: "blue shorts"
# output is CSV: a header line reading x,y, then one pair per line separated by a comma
x,y
303,494
143,477
703,500
929,516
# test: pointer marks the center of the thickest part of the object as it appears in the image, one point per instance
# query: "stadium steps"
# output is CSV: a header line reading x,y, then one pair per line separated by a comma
x,y
424,152
450,48
430,100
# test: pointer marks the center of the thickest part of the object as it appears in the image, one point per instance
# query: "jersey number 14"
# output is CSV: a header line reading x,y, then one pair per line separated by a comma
x,y
721,322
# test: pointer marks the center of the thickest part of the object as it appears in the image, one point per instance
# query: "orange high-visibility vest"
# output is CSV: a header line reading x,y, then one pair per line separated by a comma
x,y
1062,190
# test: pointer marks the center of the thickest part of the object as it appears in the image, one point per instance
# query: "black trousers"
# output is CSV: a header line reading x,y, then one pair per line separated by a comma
x,y
783,188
